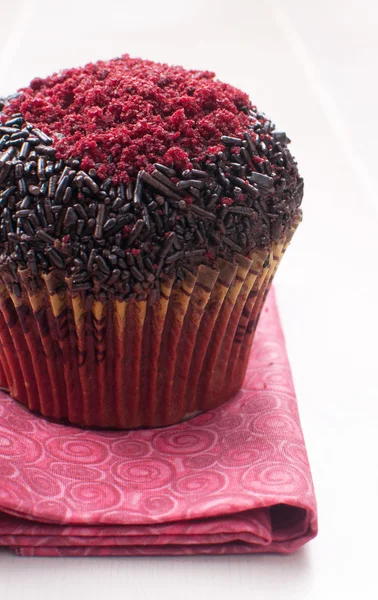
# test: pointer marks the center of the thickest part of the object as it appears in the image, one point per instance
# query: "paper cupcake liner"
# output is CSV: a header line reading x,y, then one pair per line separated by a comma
x,y
126,364
247,325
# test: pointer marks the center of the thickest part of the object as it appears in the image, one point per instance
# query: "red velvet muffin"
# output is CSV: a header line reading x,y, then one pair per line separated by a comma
x,y
144,211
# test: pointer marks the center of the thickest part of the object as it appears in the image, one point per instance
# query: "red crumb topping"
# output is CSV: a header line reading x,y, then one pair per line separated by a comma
x,y
125,114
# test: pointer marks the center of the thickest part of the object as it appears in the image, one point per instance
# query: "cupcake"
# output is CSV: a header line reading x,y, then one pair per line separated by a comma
x,y
144,211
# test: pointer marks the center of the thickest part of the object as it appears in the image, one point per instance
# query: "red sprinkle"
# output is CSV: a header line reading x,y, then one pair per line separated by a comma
x,y
137,112
125,230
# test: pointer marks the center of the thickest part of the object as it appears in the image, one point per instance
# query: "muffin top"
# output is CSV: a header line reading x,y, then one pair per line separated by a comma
x,y
125,171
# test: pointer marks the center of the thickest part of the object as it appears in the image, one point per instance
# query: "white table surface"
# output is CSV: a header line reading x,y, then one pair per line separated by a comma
x,y
312,67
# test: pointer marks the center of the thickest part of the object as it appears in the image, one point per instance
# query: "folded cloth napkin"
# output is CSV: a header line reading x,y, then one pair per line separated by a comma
x,y
235,480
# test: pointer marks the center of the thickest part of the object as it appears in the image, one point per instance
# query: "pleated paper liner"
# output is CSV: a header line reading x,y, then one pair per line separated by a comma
x,y
126,364
242,343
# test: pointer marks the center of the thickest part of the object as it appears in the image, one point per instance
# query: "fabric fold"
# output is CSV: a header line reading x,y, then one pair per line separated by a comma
x,y
233,480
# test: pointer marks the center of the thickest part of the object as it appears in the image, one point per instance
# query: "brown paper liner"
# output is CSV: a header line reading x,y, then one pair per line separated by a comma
x,y
126,364
241,347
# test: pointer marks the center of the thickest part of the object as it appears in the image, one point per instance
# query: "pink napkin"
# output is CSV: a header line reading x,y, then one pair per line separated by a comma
x,y
234,480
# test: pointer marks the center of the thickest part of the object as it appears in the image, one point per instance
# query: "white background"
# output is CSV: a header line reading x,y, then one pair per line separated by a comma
x,y
312,66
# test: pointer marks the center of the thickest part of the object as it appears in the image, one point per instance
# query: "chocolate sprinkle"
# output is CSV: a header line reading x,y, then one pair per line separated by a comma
x,y
118,240
231,141
262,180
